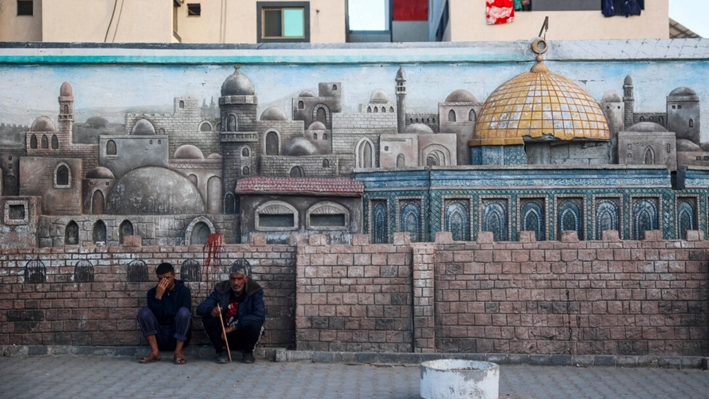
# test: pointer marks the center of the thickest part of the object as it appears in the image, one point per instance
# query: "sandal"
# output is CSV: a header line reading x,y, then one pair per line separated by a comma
x,y
179,360
149,359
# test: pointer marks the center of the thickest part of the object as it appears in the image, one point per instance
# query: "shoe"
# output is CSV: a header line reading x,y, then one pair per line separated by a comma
x,y
222,358
248,358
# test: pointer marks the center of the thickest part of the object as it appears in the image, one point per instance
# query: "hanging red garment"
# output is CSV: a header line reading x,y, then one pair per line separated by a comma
x,y
410,10
499,11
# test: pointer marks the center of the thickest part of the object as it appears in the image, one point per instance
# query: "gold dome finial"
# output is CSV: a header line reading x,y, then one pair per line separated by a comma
x,y
539,47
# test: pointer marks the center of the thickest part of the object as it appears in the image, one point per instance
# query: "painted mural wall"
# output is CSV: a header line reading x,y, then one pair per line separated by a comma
x,y
121,141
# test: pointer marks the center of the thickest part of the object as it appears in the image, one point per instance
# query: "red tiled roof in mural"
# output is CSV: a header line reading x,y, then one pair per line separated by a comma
x,y
299,185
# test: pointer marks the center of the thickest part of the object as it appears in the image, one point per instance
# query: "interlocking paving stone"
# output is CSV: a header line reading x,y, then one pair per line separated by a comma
x,y
54,377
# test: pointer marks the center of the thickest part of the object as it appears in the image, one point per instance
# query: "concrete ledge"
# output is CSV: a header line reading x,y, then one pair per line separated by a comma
x,y
376,358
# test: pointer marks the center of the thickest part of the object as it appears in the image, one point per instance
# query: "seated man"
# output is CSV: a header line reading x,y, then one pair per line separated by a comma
x,y
240,300
166,322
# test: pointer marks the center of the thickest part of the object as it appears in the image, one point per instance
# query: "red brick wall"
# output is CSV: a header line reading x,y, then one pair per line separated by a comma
x,y
61,311
571,297
354,297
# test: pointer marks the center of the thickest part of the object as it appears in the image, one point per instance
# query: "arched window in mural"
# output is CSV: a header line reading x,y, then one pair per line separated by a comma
x,y
97,203
645,217
380,222
570,216
272,143
276,216
691,123
71,233
205,127
375,110
457,219
125,229
365,154
182,104
432,160
245,171
99,232
190,271
400,161
642,119
301,105
199,235
83,272
229,204
325,163
315,136
66,108
649,157
245,152
35,272
686,217
607,217
321,115
214,194
410,219
532,218
55,142
45,142
471,116
495,219
231,125
661,120
62,176
324,136
111,147
297,171
33,141
391,109
384,109
451,116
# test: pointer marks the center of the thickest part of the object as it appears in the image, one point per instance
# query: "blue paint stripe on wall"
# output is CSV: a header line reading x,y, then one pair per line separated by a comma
x,y
260,59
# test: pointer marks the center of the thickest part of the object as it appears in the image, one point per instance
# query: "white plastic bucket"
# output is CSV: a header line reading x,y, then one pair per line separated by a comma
x,y
454,378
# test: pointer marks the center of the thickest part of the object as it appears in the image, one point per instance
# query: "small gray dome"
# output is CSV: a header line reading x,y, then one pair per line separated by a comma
x,y
683,93
238,84
153,190
300,146
628,80
647,127
143,128
317,125
214,156
684,145
400,75
306,93
611,96
273,114
379,97
461,96
43,124
66,90
188,151
100,172
418,128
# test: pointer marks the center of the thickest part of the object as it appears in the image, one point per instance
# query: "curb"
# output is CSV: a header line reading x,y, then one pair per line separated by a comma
x,y
377,358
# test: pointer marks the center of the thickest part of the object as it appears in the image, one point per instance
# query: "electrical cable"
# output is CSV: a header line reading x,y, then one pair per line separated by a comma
x,y
118,20
115,3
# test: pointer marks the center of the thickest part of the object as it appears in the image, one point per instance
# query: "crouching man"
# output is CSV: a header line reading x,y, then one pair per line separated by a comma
x,y
240,300
166,322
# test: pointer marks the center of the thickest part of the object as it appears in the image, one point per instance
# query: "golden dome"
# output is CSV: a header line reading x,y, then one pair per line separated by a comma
x,y
535,104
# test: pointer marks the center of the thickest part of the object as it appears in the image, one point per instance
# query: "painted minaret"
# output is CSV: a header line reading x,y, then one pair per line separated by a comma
x,y
629,101
400,100
66,115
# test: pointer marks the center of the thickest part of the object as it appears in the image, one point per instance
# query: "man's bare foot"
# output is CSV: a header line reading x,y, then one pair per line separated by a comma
x,y
179,358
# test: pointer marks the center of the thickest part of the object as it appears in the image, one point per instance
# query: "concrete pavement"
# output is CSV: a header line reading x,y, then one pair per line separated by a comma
x,y
72,376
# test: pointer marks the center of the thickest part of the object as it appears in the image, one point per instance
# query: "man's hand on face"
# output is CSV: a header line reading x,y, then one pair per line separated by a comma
x,y
161,288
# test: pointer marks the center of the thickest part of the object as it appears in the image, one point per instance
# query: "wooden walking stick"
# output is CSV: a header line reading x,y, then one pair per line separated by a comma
x,y
226,340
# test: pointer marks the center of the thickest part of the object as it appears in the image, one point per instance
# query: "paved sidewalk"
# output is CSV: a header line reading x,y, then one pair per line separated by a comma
x,y
57,377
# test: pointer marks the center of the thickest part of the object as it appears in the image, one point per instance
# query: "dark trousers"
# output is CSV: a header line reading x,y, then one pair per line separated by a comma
x,y
166,336
244,339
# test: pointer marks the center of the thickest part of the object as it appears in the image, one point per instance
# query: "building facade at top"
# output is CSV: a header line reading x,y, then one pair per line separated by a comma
x,y
538,154
313,21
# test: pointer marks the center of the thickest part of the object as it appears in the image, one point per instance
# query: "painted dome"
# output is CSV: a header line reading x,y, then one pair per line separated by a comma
x,y
611,96
300,146
306,93
188,151
66,90
684,145
461,96
539,103
214,156
100,172
153,190
647,127
237,84
143,128
273,114
418,128
683,93
379,97
43,124
317,125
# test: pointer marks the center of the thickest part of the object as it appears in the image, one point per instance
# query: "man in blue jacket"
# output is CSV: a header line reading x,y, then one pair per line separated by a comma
x,y
240,300
166,322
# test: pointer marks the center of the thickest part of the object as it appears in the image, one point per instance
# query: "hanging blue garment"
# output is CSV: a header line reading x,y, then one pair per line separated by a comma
x,y
608,8
632,7
518,5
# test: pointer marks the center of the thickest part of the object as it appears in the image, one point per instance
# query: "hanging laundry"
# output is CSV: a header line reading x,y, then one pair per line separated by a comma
x,y
608,8
624,8
499,11
518,5
633,7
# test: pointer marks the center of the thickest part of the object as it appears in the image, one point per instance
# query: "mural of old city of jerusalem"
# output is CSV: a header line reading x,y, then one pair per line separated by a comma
x,y
539,154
